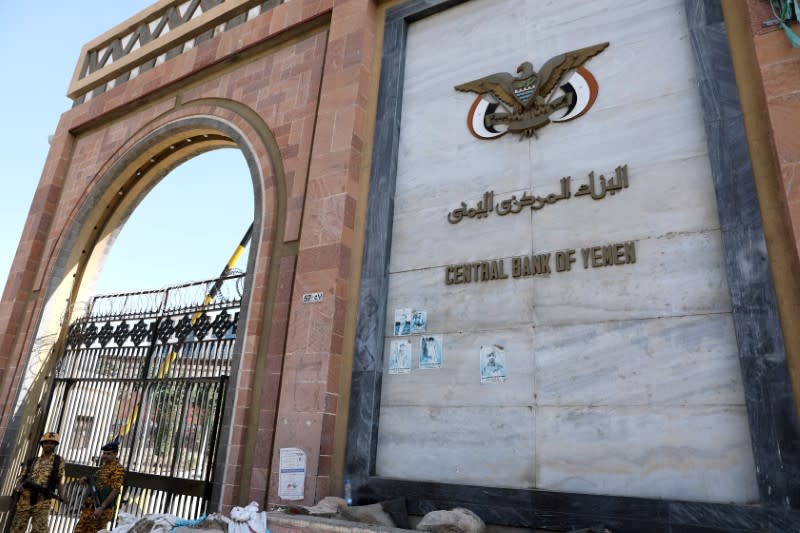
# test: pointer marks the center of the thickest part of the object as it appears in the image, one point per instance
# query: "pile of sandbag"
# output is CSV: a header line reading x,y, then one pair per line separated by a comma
x,y
241,520
393,513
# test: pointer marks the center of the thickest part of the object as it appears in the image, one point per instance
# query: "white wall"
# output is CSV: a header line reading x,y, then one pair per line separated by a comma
x,y
622,380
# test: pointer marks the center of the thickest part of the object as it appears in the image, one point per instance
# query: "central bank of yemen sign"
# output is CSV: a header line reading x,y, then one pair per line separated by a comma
x,y
527,102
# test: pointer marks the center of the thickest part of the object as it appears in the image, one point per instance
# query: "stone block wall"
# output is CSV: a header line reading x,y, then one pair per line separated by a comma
x,y
290,89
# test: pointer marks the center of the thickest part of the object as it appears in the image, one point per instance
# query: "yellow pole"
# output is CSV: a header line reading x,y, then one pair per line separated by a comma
x,y
212,293
163,369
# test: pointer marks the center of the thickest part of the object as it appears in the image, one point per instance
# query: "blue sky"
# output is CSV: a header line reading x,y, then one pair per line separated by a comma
x,y
185,229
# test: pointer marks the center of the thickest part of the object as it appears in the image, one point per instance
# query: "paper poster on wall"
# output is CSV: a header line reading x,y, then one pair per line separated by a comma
x,y
419,321
292,475
400,357
493,364
430,351
402,322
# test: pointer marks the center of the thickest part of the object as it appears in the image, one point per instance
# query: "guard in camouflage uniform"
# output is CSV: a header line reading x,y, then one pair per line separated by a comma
x,y
40,482
108,485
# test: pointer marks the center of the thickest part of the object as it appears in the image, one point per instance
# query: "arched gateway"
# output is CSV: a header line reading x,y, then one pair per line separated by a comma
x,y
278,81
515,256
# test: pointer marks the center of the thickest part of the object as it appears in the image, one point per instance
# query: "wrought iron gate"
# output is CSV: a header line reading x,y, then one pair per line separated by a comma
x,y
150,368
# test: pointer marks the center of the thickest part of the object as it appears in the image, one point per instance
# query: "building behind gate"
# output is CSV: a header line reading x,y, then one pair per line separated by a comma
x,y
562,294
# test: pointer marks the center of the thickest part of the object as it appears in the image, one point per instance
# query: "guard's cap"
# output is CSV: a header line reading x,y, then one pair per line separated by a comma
x,y
50,436
112,446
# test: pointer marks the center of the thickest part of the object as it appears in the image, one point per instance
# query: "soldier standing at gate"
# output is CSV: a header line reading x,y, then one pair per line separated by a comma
x,y
104,487
41,481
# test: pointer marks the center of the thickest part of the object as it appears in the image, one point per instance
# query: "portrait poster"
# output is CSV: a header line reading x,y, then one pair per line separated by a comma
x,y
400,357
430,351
493,364
402,322
419,321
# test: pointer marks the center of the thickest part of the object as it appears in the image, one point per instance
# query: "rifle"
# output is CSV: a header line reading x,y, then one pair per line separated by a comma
x,y
92,487
40,489
97,501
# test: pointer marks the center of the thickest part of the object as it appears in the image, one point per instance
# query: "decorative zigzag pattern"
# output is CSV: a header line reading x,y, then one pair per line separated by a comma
x,y
158,26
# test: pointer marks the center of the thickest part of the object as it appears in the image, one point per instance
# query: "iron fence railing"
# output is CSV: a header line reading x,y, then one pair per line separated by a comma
x,y
150,368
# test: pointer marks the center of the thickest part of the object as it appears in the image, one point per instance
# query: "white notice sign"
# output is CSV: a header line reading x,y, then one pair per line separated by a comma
x,y
291,480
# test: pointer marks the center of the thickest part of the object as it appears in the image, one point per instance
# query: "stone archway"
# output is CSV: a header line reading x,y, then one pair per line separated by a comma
x,y
118,190
255,77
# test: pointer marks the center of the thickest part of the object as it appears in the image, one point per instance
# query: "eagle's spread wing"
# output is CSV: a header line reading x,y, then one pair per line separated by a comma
x,y
499,85
553,72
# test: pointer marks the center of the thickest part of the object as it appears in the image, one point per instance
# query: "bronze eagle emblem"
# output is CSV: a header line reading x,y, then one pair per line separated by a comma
x,y
527,100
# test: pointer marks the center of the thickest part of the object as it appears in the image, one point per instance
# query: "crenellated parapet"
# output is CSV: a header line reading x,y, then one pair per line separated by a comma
x,y
164,30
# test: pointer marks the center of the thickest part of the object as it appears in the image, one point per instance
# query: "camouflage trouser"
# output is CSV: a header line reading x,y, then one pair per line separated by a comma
x,y
87,523
37,513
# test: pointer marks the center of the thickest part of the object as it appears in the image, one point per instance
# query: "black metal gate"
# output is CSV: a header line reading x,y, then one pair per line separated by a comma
x,y
150,368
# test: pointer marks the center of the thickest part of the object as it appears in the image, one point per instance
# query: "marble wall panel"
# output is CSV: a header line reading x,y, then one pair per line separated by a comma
x,y
689,360
639,133
424,238
695,453
439,156
674,275
472,307
440,163
473,445
662,199
456,46
457,382
625,377
677,197
627,22
464,30
446,164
